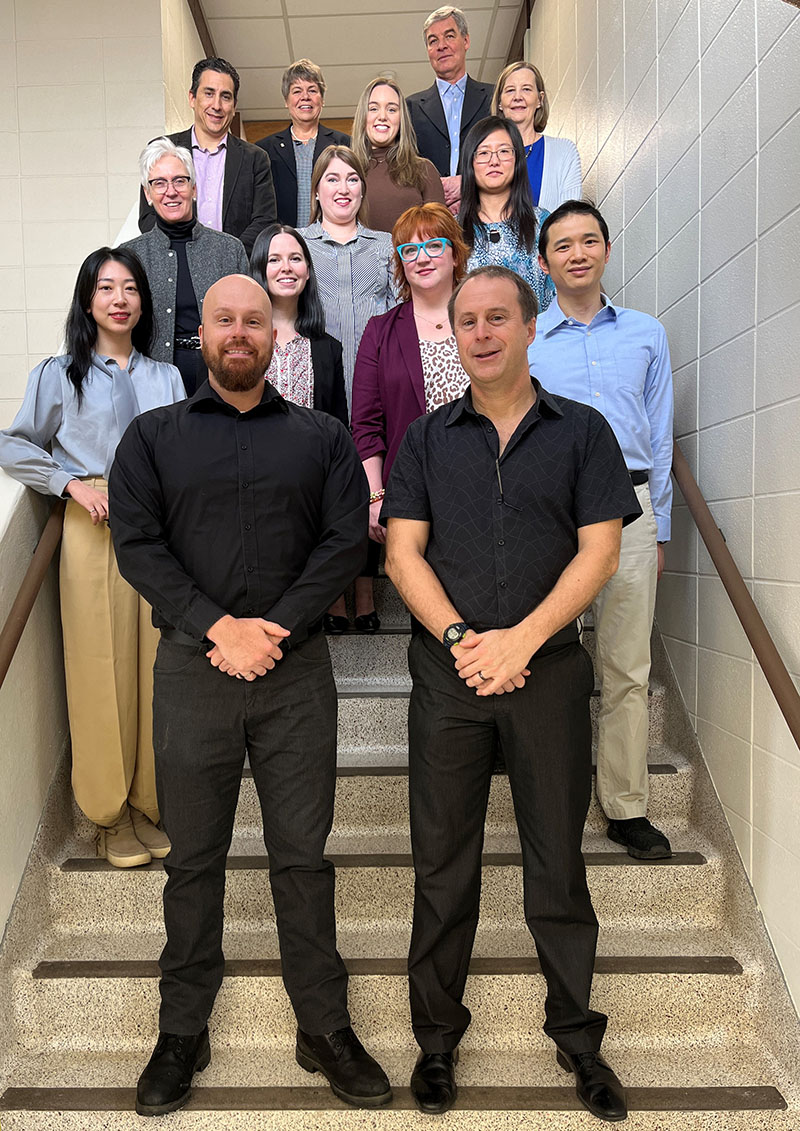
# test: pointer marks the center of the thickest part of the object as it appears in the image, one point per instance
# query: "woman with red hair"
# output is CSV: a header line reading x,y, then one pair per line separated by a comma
x,y
407,362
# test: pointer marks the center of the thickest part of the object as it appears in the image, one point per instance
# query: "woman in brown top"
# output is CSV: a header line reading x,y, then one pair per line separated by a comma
x,y
383,137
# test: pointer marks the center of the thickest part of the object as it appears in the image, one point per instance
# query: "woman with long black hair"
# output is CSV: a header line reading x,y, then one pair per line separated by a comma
x,y
306,365
62,442
498,216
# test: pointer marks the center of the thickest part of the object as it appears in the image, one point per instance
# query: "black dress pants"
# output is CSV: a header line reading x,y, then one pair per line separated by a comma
x,y
203,720
544,733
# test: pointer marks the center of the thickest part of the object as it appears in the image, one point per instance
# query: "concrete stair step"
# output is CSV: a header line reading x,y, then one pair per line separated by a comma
x,y
383,939
114,1004
647,894
377,804
729,1090
373,714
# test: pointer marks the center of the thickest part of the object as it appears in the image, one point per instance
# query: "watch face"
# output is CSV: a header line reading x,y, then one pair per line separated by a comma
x,y
454,633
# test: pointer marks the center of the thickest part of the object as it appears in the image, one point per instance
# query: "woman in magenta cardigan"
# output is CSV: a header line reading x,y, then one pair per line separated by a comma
x,y
407,361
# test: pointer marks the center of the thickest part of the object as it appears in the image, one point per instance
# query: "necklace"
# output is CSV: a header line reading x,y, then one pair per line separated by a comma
x,y
438,325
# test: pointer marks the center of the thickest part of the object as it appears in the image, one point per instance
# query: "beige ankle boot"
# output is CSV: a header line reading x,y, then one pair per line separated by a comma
x,y
119,844
153,838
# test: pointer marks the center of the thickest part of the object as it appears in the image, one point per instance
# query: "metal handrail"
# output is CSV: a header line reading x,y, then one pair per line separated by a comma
x,y
29,589
757,633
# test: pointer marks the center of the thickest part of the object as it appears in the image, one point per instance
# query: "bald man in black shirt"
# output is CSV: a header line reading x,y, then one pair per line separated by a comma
x,y
504,513
242,517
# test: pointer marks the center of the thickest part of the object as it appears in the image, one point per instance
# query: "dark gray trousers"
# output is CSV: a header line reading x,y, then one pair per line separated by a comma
x,y
544,732
203,721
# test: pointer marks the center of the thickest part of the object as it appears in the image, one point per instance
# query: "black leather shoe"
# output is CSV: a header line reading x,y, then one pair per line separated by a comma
x,y
166,1083
642,840
352,1073
335,626
433,1081
367,622
596,1085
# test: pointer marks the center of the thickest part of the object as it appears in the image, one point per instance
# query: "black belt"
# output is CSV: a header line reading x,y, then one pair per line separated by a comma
x,y
639,477
175,636
187,343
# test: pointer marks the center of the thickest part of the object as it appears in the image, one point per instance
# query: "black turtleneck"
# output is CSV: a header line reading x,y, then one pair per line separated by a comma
x,y
187,316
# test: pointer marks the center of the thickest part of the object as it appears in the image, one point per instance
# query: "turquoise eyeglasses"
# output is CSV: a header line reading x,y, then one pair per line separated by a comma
x,y
408,252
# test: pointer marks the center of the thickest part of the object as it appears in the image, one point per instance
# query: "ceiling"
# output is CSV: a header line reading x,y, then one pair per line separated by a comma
x,y
363,39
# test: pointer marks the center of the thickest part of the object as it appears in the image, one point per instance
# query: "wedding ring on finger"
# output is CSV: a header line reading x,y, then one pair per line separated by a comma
x,y
482,676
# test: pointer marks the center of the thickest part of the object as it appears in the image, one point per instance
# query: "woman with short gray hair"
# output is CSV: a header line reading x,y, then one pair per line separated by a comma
x,y
182,258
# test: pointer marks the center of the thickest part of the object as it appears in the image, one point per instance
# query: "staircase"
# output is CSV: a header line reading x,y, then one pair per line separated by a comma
x,y
701,1028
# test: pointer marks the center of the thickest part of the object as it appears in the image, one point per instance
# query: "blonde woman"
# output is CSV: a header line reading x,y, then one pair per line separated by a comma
x,y
554,165
385,142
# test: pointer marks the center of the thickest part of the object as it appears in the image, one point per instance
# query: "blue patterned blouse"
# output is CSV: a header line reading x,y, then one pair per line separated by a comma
x,y
506,251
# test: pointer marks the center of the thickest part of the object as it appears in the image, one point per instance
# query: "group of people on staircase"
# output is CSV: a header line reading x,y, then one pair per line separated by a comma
x,y
449,380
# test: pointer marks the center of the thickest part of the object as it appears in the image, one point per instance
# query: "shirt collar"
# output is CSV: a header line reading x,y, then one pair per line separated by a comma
x,y
554,316
108,364
196,144
545,404
316,231
207,399
443,85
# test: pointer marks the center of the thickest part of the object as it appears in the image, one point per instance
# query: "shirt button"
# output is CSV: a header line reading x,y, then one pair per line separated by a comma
x,y
169,310
247,526
250,569
170,254
502,542
594,363
249,609
245,484
502,584
570,322
499,500
244,447
489,428
169,280
167,343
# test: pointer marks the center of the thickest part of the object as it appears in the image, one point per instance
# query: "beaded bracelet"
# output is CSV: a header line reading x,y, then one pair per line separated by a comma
x,y
376,496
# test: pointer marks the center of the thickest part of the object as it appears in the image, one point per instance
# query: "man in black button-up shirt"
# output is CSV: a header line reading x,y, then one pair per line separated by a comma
x,y
504,514
241,517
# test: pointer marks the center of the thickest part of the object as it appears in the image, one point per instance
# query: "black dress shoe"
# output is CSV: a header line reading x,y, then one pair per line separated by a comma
x,y
367,622
166,1083
596,1085
335,626
433,1081
642,840
352,1073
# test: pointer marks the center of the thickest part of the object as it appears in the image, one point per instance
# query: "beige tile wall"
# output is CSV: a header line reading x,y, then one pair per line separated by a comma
x,y
90,85
688,125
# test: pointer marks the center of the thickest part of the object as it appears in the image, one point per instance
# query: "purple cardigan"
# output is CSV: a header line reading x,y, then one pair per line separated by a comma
x,y
388,386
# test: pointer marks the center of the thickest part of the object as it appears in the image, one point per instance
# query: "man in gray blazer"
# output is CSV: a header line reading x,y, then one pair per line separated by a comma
x,y
293,151
443,113
234,179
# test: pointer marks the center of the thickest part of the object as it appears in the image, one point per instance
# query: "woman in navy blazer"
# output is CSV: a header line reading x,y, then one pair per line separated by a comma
x,y
407,363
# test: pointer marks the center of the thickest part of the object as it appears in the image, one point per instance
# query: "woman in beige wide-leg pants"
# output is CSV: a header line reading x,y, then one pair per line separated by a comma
x,y
62,442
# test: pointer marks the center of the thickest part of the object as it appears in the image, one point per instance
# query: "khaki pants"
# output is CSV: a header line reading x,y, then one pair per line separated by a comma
x,y
109,649
623,618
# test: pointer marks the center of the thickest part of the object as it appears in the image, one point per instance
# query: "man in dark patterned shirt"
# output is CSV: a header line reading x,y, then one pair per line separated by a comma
x,y
504,513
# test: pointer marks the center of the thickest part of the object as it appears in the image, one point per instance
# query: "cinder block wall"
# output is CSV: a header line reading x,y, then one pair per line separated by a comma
x,y
687,117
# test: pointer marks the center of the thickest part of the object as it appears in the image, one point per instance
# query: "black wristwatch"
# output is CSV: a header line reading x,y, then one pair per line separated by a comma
x,y
455,633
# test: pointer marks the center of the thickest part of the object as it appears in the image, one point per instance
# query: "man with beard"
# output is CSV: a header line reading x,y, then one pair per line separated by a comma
x,y
242,517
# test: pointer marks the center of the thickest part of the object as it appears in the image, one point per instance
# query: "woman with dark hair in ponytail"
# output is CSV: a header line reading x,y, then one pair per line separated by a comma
x,y
62,442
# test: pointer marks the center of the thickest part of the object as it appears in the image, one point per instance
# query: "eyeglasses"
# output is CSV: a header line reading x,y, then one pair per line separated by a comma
x,y
161,184
408,252
503,154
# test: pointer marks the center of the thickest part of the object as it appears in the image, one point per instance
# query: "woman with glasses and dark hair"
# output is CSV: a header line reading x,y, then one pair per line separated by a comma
x,y
182,258
553,163
62,442
408,363
306,365
497,214
385,142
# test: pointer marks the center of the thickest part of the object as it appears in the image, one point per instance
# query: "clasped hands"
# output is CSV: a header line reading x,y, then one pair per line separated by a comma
x,y
493,662
246,647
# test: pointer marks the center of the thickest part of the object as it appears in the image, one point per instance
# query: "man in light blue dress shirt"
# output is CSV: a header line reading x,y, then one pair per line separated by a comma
x,y
616,360
442,114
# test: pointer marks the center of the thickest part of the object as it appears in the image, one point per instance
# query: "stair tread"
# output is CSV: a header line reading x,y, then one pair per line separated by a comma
x,y
383,939
704,1068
